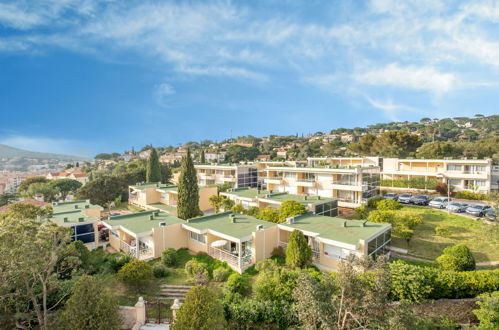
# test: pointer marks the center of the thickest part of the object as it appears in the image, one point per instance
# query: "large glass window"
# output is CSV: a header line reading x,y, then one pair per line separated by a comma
x,y
84,233
198,237
289,175
379,245
454,167
329,209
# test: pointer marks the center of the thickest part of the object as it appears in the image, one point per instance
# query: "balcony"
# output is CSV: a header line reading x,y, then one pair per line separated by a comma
x,y
143,253
306,182
229,178
237,263
273,179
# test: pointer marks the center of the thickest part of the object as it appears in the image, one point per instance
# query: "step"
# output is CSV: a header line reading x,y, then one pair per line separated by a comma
x,y
174,290
171,295
175,286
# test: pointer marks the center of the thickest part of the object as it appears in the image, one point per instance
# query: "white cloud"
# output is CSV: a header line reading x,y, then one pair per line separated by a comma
x,y
44,144
391,110
162,93
411,77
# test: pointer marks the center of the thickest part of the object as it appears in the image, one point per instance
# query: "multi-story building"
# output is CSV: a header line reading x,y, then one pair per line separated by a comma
x,y
172,158
250,197
164,197
463,174
80,177
238,175
215,157
351,185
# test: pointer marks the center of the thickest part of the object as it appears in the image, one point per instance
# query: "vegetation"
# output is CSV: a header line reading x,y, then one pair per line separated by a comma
x,y
169,257
153,172
159,270
136,274
65,186
417,183
289,209
488,313
188,191
298,252
457,257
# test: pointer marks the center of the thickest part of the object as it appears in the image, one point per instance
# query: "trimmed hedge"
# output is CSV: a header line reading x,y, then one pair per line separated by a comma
x,y
415,284
417,183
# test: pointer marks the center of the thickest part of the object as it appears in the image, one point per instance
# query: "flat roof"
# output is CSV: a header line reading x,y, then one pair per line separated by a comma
x,y
74,205
332,228
322,168
243,226
277,197
140,222
72,218
158,185
164,207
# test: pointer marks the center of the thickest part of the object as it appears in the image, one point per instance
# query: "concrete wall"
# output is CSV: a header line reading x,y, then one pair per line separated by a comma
x,y
128,317
195,246
173,236
264,241
92,212
204,195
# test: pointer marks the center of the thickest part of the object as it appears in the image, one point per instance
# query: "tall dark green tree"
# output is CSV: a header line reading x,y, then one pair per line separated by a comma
x,y
298,253
188,190
202,158
153,171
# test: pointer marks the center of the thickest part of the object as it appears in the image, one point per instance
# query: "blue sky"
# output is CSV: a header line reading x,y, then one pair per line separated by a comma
x,y
90,76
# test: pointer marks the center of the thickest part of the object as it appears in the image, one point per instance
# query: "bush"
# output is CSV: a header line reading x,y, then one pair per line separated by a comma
x,y
197,270
442,231
388,204
464,194
441,188
159,270
278,252
488,314
119,260
418,183
221,274
136,274
457,257
363,211
237,283
411,283
382,216
373,202
169,257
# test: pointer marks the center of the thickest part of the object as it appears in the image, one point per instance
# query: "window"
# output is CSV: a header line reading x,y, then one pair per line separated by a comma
x,y
198,237
336,252
328,209
289,175
84,233
454,167
379,245
479,183
308,177
454,182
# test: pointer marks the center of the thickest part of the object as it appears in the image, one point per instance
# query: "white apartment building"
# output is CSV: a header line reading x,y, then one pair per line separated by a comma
x,y
238,175
477,175
215,157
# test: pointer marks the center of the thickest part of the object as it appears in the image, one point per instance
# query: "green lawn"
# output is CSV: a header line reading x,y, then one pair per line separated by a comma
x,y
481,238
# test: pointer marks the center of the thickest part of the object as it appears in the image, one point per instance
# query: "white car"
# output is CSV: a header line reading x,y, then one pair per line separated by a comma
x,y
439,202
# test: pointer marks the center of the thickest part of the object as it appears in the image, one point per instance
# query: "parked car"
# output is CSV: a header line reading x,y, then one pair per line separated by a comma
x,y
491,214
439,202
457,207
405,198
478,210
393,196
420,200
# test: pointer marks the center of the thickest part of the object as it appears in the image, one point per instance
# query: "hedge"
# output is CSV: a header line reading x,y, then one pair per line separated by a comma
x,y
415,284
417,183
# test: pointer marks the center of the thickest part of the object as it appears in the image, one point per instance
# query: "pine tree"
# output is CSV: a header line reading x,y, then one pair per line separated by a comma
x,y
153,171
298,253
188,191
203,159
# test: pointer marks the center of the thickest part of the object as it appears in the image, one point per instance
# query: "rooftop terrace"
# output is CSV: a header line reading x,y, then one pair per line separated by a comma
x,y
141,222
70,218
158,185
277,197
71,206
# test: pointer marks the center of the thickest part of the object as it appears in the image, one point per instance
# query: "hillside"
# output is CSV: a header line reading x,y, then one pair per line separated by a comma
x,y
11,152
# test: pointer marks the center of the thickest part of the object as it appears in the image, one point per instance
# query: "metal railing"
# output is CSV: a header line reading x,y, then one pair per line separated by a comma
x,y
229,258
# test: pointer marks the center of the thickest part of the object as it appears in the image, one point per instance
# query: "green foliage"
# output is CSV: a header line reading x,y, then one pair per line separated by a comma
x,y
442,231
274,283
396,144
198,271
24,185
298,252
136,274
65,186
488,313
416,183
364,145
373,202
411,283
201,310
221,274
363,211
7,198
27,211
289,209
457,257
237,153
169,257
238,208
105,156
437,150
279,252
202,158
465,194
91,306
188,191
269,214
159,270
238,284
388,204
260,314
49,193
153,171
403,223
215,202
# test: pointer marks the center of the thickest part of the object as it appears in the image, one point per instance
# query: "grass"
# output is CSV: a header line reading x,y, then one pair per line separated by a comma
x,y
481,238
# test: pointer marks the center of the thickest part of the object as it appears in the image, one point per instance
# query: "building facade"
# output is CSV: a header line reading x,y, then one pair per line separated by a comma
x,y
237,175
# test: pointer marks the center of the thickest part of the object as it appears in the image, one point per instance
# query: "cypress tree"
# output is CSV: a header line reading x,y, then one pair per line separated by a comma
x,y
188,191
298,253
153,171
203,159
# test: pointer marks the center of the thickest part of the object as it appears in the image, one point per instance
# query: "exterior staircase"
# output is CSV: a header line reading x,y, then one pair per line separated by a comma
x,y
173,291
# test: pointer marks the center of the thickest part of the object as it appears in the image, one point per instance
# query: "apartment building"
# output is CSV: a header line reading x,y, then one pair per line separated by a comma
x,y
238,175
83,219
215,157
250,197
80,177
351,185
164,197
463,174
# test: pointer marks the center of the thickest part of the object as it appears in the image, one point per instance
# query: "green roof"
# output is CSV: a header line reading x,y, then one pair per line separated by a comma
x,y
163,186
333,229
72,206
277,197
243,226
140,222
72,218
164,207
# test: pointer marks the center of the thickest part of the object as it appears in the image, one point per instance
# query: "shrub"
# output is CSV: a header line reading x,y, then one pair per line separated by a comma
x,y
464,194
119,260
488,314
298,252
136,274
457,257
388,204
237,283
197,270
382,216
410,219
441,188
221,274
363,211
278,252
289,209
411,283
373,202
442,231
159,270
169,257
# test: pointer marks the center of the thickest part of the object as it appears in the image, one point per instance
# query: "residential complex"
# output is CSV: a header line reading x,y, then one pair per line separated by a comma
x,y
242,240
237,175
80,177
164,197
251,197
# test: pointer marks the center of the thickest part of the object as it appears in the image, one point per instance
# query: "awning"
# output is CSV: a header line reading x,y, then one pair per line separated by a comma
x,y
219,243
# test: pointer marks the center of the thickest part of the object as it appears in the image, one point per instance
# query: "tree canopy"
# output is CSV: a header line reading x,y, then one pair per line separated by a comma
x,y
298,252
188,191
153,170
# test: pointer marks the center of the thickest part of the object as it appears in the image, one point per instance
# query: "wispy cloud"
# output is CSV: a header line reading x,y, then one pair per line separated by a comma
x,y
162,93
45,144
391,110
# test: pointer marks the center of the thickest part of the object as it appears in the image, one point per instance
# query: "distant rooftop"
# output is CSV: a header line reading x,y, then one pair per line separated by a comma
x,y
72,206
333,229
243,226
277,197
164,207
70,218
158,185
140,222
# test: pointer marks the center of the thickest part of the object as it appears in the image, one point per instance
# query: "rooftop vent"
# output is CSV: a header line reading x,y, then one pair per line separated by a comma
x,y
81,219
318,197
344,223
162,224
364,223
305,197
66,219
259,227
233,218
290,220
151,217
87,206
54,203
156,213
76,206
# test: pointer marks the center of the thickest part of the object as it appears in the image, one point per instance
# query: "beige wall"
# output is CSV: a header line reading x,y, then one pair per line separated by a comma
x,y
195,246
204,195
264,241
173,236
92,212
114,242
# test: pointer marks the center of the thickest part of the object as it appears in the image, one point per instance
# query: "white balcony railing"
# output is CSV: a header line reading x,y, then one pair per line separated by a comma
x,y
232,259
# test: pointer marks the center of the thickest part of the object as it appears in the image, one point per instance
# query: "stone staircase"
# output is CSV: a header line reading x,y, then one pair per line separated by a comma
x,y
173,291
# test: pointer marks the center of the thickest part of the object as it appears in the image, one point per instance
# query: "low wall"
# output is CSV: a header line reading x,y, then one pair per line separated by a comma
x,y
128,317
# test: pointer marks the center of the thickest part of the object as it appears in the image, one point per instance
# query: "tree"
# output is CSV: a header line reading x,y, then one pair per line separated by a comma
x,y
23,187
27,211
363,147
136,274
49,192
269,214
188,191
437,150
201,310
289,209
396,144
457,257
65,186
298,252
215,202
202,159
30,253
166,173
92,305
6,198
153,171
